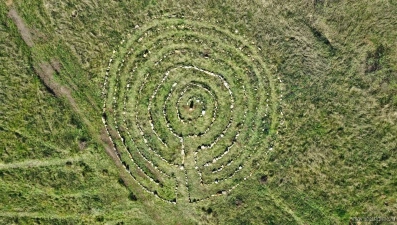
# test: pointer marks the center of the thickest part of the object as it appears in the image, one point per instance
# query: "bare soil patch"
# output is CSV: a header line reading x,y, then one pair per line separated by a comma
x,y
108,146
9,2
82,145
56,65
45,72
22,28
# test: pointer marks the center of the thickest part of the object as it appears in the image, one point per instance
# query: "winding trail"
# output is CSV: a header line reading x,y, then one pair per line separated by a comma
x,y
282,205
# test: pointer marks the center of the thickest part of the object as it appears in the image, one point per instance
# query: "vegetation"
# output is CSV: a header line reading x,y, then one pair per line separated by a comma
x,y
197,112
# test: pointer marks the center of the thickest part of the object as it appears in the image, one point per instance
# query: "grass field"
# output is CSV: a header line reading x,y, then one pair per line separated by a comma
x,y
198,112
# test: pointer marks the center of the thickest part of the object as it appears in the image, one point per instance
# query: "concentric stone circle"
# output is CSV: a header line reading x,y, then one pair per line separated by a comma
x,y
188,106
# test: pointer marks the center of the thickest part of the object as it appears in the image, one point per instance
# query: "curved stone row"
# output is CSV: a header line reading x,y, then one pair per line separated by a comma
x,y
176,134
140,129
168,98
195,135
144,125
127,168
216,170
203,112
129,171
169,95
145,158
151,178
152,127
214,160
220,192
130,156
168,126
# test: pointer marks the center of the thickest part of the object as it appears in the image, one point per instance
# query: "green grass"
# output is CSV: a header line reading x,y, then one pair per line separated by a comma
x,y
326,143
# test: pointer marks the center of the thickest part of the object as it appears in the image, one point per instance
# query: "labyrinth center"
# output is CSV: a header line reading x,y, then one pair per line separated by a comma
x,y
188,107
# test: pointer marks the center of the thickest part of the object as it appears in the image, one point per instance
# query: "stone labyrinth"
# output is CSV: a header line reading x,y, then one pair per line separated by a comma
x,y
188,107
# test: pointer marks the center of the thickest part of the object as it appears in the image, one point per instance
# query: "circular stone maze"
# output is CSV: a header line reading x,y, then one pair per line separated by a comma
x,y
189,107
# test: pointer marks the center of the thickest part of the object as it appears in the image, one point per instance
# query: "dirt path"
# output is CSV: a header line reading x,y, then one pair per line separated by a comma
x,y
38,215
32,139
39,163
58,67
22,28
280,203
46,71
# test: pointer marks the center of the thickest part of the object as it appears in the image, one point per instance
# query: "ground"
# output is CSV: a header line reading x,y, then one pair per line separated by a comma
x,y
198,112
